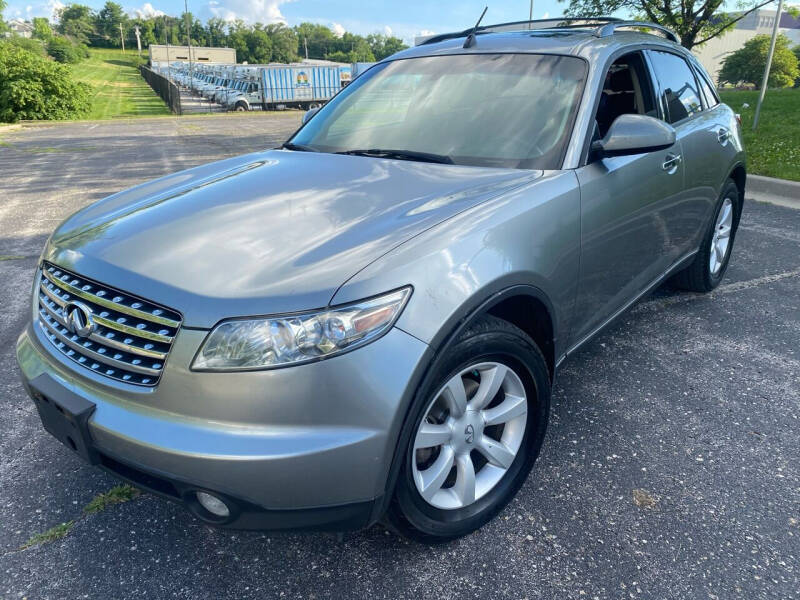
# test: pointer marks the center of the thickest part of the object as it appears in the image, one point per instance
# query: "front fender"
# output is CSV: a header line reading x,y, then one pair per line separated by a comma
x,y
529,236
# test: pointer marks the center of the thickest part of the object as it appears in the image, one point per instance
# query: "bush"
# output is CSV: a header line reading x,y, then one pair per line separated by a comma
x,y
65,50
746,65
28,44
32,87
797,54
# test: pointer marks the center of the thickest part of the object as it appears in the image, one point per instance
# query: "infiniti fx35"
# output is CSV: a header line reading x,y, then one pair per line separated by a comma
x,y
365,323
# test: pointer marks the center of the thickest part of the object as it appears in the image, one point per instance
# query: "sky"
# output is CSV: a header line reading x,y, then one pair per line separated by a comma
x,y
402,18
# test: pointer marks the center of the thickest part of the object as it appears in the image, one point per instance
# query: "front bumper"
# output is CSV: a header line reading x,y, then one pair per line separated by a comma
x,y
309,445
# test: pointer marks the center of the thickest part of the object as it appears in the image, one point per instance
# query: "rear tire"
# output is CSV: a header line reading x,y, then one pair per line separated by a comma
x,y
490,350
703,275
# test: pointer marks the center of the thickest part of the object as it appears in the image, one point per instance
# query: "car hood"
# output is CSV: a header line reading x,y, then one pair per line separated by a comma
x,y
264,233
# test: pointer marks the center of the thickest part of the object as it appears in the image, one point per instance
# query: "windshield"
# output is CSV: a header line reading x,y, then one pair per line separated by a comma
x,y
503,110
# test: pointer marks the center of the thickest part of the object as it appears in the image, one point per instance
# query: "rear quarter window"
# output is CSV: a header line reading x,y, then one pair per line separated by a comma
x,y
678,89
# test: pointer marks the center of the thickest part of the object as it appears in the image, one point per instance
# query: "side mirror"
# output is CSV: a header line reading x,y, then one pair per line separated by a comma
x,y
635,134
309,113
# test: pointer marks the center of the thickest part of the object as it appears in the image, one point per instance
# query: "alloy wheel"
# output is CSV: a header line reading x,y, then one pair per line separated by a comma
x,y
470,435
721,238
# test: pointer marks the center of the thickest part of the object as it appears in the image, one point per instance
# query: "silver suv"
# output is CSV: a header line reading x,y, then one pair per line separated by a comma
x,y
365,324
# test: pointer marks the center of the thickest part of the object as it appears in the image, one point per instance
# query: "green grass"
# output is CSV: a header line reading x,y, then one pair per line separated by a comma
x,y
51,535
774,148
118,89
116,495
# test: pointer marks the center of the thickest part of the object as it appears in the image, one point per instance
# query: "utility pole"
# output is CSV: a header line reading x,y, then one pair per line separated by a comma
x,y
530,14
188,41
305,45
769,64
121,37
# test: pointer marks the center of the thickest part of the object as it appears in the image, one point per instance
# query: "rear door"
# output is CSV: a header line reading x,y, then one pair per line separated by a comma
x,y
697,127
627,204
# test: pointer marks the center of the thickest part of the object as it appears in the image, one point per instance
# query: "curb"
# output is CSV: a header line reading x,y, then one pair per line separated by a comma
x,y
775,191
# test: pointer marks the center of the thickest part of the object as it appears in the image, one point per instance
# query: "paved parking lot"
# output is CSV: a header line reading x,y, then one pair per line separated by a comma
x,y
693,401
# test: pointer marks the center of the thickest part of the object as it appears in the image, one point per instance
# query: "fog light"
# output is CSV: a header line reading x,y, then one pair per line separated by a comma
x,y
213,505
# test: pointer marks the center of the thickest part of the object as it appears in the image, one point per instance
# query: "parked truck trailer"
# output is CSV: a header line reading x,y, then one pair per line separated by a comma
x,y
290,86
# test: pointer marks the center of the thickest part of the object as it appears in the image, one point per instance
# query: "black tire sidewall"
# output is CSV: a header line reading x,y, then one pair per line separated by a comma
x,y
518,352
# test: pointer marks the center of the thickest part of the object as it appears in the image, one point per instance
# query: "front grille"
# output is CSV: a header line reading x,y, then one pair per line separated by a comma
x,y
131,338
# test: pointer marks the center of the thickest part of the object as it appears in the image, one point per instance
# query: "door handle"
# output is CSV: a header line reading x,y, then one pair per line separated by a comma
x,y
671,162
723,135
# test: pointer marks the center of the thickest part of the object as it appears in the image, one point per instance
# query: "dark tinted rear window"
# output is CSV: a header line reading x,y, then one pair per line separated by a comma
x,y
679,94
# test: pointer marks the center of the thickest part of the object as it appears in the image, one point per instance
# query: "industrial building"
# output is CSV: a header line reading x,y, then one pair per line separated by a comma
x,y
196,54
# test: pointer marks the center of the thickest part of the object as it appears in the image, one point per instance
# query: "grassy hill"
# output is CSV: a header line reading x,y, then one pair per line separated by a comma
x,y
119,90
774,149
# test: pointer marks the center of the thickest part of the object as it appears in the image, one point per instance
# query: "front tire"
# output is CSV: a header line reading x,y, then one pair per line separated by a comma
x,y
711,261
478,429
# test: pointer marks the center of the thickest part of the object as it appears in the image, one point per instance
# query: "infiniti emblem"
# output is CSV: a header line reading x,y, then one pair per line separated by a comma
x,y
469,434
79,319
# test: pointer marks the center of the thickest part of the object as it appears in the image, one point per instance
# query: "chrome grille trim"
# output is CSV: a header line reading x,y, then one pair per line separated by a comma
x,y
133,336
55,313
118,306
73,341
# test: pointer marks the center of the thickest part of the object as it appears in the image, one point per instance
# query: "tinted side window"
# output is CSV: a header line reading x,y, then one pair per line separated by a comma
x,y
707,90
679,95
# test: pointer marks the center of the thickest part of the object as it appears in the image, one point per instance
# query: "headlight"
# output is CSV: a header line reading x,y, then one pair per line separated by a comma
x,y
242,344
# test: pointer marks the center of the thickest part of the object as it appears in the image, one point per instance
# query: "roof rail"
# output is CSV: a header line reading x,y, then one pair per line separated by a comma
x,y
608,29
559,22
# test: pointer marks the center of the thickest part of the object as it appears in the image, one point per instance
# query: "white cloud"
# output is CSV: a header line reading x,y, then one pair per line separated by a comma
x,y
387,30
546,15
47,9
337,29
147,11
425,32
250,11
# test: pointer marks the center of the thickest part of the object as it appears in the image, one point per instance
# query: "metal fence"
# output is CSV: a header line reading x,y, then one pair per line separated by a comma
x,y
162,86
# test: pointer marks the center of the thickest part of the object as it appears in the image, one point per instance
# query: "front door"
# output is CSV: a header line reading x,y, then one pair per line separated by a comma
x,y
626,202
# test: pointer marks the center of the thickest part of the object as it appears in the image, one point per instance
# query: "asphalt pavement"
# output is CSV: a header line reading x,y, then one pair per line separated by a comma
x,y
671,467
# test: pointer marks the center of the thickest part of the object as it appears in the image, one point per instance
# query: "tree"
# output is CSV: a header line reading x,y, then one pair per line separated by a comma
x,y
746,65
108,21
199,33
695,21
76,21
167,30
32,87
284,42
797,54
3,26
147,31
259,45
237,39
215,30
42,29
384,45
319,40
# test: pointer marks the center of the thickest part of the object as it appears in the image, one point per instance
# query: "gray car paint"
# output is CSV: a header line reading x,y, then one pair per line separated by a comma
x,y
266,233
284,231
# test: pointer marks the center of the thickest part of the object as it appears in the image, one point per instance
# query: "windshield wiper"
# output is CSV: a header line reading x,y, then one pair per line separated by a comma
x,y
401,155
298,147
